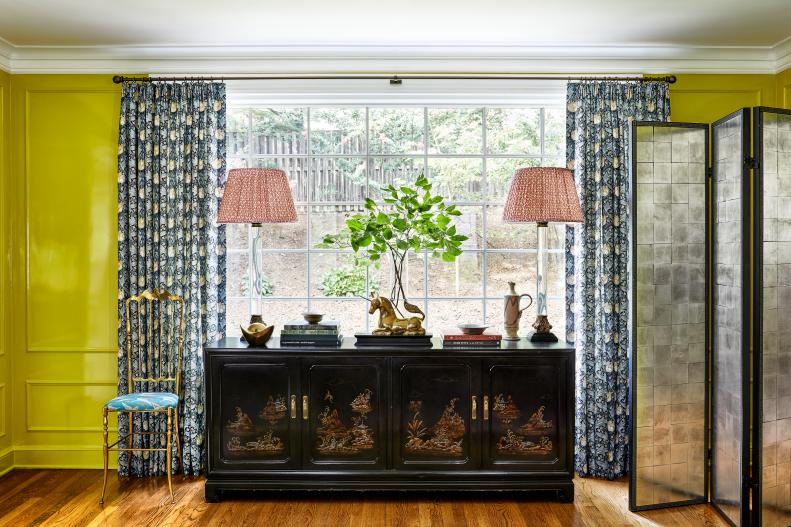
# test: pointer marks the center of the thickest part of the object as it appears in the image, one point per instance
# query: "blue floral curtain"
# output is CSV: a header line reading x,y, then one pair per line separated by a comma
x,y
598,119
171,162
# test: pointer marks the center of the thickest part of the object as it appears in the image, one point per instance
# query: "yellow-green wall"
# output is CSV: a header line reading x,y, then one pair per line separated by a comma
x,y
6,454
62,328
58,241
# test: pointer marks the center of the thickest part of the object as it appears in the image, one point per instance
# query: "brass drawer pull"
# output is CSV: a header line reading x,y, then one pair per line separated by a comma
x,y
293,407
474,407
485,407
305,407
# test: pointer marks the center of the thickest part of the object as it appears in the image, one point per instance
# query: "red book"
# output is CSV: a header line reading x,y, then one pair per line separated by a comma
x,y
455,334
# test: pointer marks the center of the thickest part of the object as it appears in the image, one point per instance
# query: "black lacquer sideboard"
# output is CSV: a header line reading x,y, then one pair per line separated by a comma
x,y
389,419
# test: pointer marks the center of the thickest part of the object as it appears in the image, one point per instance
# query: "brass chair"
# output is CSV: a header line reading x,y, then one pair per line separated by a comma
x,y
153,355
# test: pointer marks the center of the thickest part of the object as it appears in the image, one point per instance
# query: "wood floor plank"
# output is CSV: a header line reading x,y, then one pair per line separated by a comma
x,y
70,498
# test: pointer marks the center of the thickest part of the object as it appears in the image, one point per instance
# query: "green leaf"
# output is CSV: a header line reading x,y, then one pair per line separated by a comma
x,y
447,257
370,204
400,224
402,244
365,241
382,218
442,221
388,234
354,224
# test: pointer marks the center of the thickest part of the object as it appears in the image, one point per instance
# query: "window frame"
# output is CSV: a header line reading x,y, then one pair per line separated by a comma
x,y
307,207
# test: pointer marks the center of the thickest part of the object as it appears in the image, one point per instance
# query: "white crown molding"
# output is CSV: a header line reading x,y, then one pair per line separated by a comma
x,y
6,53
220,60
782,55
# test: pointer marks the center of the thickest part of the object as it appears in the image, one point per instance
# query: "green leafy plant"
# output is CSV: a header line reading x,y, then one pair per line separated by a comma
x,y
346,280
411,218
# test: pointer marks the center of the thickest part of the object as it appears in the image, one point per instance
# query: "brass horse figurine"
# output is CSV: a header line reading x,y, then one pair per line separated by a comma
x,y
390,324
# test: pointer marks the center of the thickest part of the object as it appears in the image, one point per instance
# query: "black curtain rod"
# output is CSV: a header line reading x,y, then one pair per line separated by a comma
x,y
394,79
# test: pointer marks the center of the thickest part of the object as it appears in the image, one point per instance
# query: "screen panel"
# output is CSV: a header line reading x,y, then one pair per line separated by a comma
x,y
669,328
730,331
772,253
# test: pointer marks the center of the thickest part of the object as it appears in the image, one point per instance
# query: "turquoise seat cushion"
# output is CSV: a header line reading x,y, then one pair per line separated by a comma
x,y
144,401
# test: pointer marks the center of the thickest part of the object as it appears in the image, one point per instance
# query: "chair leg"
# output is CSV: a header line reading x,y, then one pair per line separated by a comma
x,y
178,440
105,453
169,454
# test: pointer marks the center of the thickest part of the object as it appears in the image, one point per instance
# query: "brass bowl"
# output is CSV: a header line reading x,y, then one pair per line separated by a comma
x,y
472,329
312,318
257,334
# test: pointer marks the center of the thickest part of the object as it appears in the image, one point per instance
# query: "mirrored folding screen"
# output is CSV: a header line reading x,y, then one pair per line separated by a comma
x,y
730,332
669,374
773,349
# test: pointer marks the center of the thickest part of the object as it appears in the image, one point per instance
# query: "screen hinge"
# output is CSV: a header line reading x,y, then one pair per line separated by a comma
x,y
751,163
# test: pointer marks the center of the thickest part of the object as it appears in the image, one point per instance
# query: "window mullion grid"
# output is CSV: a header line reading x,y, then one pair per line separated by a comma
x,y
484,213
368,172
250,271
309,168
425,252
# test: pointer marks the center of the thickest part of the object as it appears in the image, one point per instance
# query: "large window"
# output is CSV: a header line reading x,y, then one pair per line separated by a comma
x,y
335,157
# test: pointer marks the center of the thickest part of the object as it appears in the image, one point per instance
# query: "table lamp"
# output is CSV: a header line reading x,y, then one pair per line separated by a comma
x,y
542,195
257,196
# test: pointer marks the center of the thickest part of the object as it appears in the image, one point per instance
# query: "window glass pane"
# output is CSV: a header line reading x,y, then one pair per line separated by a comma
x,y
334,275
393,171
413,277
238,274
285,235
329,219
500,172
447,314
455,130
556,275
279,131
237,162
396,130
502,268
349,312
457,179
555,132
295,169
278,312
470,224
237,313
236,236
337,131
460,278
501,235
287,273
513,131
237,138
338,178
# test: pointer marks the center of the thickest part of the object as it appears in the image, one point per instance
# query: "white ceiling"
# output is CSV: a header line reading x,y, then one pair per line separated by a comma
x,y
602,29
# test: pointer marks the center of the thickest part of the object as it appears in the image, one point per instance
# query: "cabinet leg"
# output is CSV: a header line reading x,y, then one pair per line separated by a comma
x,y
211,494
566,494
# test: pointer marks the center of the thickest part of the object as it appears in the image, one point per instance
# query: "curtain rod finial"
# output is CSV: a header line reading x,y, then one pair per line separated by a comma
x,y
117,79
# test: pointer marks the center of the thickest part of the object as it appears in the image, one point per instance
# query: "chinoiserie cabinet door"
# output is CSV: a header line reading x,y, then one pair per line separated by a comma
x,y
258,426
344,415
436,414
525,414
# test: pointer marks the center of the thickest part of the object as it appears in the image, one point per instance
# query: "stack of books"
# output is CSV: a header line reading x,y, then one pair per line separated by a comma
x,y
453,338
300,333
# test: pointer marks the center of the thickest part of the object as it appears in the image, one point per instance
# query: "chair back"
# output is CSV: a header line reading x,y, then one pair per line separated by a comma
x,y
154,341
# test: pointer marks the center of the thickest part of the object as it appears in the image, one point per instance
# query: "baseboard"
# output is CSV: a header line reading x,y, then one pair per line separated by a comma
x,y
6,461
61,456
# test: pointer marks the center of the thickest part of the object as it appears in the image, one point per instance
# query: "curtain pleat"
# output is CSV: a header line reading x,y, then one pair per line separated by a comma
x,y
598,132
171,165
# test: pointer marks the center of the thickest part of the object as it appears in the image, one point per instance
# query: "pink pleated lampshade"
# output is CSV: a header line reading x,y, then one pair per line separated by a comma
x,y
257,195
543,195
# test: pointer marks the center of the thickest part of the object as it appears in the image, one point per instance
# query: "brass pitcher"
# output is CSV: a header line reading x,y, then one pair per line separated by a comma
x,y
512,313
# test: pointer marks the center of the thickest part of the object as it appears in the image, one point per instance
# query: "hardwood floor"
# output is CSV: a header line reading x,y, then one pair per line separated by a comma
x,y
71,498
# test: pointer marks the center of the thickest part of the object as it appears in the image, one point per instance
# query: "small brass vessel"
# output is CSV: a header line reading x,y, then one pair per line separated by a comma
x,y
257,334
